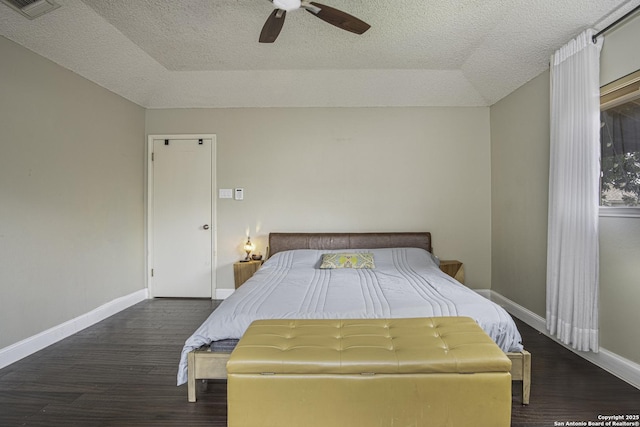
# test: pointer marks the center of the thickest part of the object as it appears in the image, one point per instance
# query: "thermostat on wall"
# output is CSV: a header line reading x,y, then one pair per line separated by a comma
x,y
239,193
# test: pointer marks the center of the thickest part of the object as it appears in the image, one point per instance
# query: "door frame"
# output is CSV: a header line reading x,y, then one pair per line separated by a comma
x,y
149,207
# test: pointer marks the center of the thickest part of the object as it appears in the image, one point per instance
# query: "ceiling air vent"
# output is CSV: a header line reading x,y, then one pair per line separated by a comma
x,y
32,8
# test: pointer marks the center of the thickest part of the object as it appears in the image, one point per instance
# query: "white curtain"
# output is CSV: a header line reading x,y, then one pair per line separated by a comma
x,y
572,248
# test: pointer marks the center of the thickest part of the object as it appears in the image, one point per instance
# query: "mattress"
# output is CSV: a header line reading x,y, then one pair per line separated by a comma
x,y
405,283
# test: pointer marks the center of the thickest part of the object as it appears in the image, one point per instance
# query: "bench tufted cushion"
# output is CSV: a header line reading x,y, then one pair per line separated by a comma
x,y
371,346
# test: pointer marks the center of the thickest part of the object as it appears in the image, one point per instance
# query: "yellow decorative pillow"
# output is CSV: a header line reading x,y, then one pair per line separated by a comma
x,y
348,260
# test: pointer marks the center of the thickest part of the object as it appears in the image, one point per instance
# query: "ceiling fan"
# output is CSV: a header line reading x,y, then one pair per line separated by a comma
x,y
336,17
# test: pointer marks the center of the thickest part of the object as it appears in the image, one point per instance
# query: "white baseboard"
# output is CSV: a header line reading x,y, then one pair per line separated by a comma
x,y
224,293
28,346
611,362
484,292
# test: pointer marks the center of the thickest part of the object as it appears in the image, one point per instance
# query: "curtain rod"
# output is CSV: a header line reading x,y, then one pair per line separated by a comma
x,y
619,20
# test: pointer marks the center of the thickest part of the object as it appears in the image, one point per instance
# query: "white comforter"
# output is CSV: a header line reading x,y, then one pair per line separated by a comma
x,y
406,282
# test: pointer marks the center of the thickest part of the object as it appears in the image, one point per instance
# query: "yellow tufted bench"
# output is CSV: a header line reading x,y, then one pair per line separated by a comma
x,y
443,371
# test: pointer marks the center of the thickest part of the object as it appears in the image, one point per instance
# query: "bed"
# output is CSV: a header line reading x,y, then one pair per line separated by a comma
x,y
405,281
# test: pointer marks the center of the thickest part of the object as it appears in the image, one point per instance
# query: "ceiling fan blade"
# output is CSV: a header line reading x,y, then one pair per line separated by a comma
x,y
272,26
338,18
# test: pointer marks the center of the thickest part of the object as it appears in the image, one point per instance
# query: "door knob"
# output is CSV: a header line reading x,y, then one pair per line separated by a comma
x,y
206,226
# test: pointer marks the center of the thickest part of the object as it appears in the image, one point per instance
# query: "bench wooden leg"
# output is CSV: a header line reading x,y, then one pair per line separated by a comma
x,y
191,376
526,377
205,365
521,371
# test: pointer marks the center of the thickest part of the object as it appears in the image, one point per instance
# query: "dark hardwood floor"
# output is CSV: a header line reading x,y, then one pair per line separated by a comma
x,y
122,372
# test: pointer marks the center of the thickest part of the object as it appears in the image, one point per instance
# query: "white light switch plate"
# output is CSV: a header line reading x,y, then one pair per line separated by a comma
x,y
225,193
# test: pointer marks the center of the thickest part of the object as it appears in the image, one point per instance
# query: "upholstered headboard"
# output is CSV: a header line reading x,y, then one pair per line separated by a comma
x,y
279,242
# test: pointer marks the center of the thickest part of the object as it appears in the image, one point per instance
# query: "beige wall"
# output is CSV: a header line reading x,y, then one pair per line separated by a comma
x,y
349,169
620,286
519,188
619,55
71,191
520,164
620,237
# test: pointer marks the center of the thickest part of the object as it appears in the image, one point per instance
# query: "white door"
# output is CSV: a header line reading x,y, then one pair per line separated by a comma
x,y
181,218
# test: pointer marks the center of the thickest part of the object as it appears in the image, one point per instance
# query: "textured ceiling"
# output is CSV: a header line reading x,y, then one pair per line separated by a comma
x,y
204,53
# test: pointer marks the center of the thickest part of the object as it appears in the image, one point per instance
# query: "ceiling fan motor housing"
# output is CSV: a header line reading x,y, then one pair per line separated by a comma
x,y
287,5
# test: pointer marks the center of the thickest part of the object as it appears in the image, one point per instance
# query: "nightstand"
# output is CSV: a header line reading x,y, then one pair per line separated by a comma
x,y
453,268
242,271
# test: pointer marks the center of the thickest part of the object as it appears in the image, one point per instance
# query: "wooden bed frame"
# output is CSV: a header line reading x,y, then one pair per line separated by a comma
x,y
206,364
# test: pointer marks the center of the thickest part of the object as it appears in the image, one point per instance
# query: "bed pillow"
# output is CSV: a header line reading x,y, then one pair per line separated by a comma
x,y
347,260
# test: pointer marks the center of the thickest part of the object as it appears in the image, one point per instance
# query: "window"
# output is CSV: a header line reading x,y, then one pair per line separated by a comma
x,y
620,147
